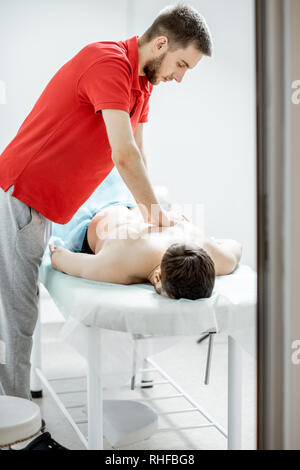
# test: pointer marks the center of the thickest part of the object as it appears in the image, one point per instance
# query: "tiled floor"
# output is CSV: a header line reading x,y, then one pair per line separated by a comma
x,y
184,362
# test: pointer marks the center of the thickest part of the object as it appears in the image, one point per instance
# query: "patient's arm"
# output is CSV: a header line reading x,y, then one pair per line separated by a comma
x,y
225,253
68,262
104,267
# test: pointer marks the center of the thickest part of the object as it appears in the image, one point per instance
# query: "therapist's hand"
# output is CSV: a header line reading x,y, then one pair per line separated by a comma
x,y
166,219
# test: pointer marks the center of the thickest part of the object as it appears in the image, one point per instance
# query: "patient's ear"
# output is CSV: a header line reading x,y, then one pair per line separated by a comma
x,y
157,274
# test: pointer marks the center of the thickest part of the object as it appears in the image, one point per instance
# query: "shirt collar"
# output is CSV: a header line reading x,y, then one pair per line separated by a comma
x,y
139,83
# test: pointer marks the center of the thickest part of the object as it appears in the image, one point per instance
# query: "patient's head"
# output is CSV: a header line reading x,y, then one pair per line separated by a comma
x,y
186,271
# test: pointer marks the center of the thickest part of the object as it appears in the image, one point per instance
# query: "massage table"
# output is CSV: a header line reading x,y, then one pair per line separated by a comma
x,y
138,311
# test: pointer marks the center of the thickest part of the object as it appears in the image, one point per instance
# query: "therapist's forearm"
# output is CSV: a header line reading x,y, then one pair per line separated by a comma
x,y
134,174
144,158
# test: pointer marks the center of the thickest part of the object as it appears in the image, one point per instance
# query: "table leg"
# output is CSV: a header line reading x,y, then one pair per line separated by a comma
x,y
94,390
234,395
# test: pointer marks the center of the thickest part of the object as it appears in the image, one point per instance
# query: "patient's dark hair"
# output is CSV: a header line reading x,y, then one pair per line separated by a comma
x,y
187,271
182,25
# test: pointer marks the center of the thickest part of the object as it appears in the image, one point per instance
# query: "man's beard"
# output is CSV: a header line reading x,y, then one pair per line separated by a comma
x,y
152,67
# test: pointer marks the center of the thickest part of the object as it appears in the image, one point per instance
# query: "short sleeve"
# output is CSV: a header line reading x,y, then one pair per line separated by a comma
x,y
106,84
145,109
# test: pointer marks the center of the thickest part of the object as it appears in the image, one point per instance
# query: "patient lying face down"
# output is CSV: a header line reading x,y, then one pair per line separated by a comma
x,y
179,261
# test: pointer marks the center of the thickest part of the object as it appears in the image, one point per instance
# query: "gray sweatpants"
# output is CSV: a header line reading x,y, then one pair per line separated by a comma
x,y
24,234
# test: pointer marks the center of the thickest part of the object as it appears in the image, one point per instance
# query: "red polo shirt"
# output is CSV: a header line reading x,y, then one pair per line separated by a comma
x,y
61,152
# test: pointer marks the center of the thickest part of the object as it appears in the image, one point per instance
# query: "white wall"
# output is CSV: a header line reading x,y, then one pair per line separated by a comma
x,y
200,139
38,37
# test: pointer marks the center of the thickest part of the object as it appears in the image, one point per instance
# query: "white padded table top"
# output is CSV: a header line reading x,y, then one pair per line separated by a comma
x,y
139,309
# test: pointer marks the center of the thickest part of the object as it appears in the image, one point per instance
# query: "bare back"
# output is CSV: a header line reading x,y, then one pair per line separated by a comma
x,y
127,250
121,232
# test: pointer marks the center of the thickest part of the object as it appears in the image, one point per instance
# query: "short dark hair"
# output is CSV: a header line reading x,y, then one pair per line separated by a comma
x,y
187,271
182,25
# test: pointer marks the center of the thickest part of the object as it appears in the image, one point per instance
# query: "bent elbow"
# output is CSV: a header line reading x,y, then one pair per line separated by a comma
x,y
120,161
125,156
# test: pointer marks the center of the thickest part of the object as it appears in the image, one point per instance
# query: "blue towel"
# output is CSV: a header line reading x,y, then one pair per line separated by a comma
x,y
112,191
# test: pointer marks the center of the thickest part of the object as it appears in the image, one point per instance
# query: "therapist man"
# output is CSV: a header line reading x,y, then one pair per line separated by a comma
x,y
88,118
